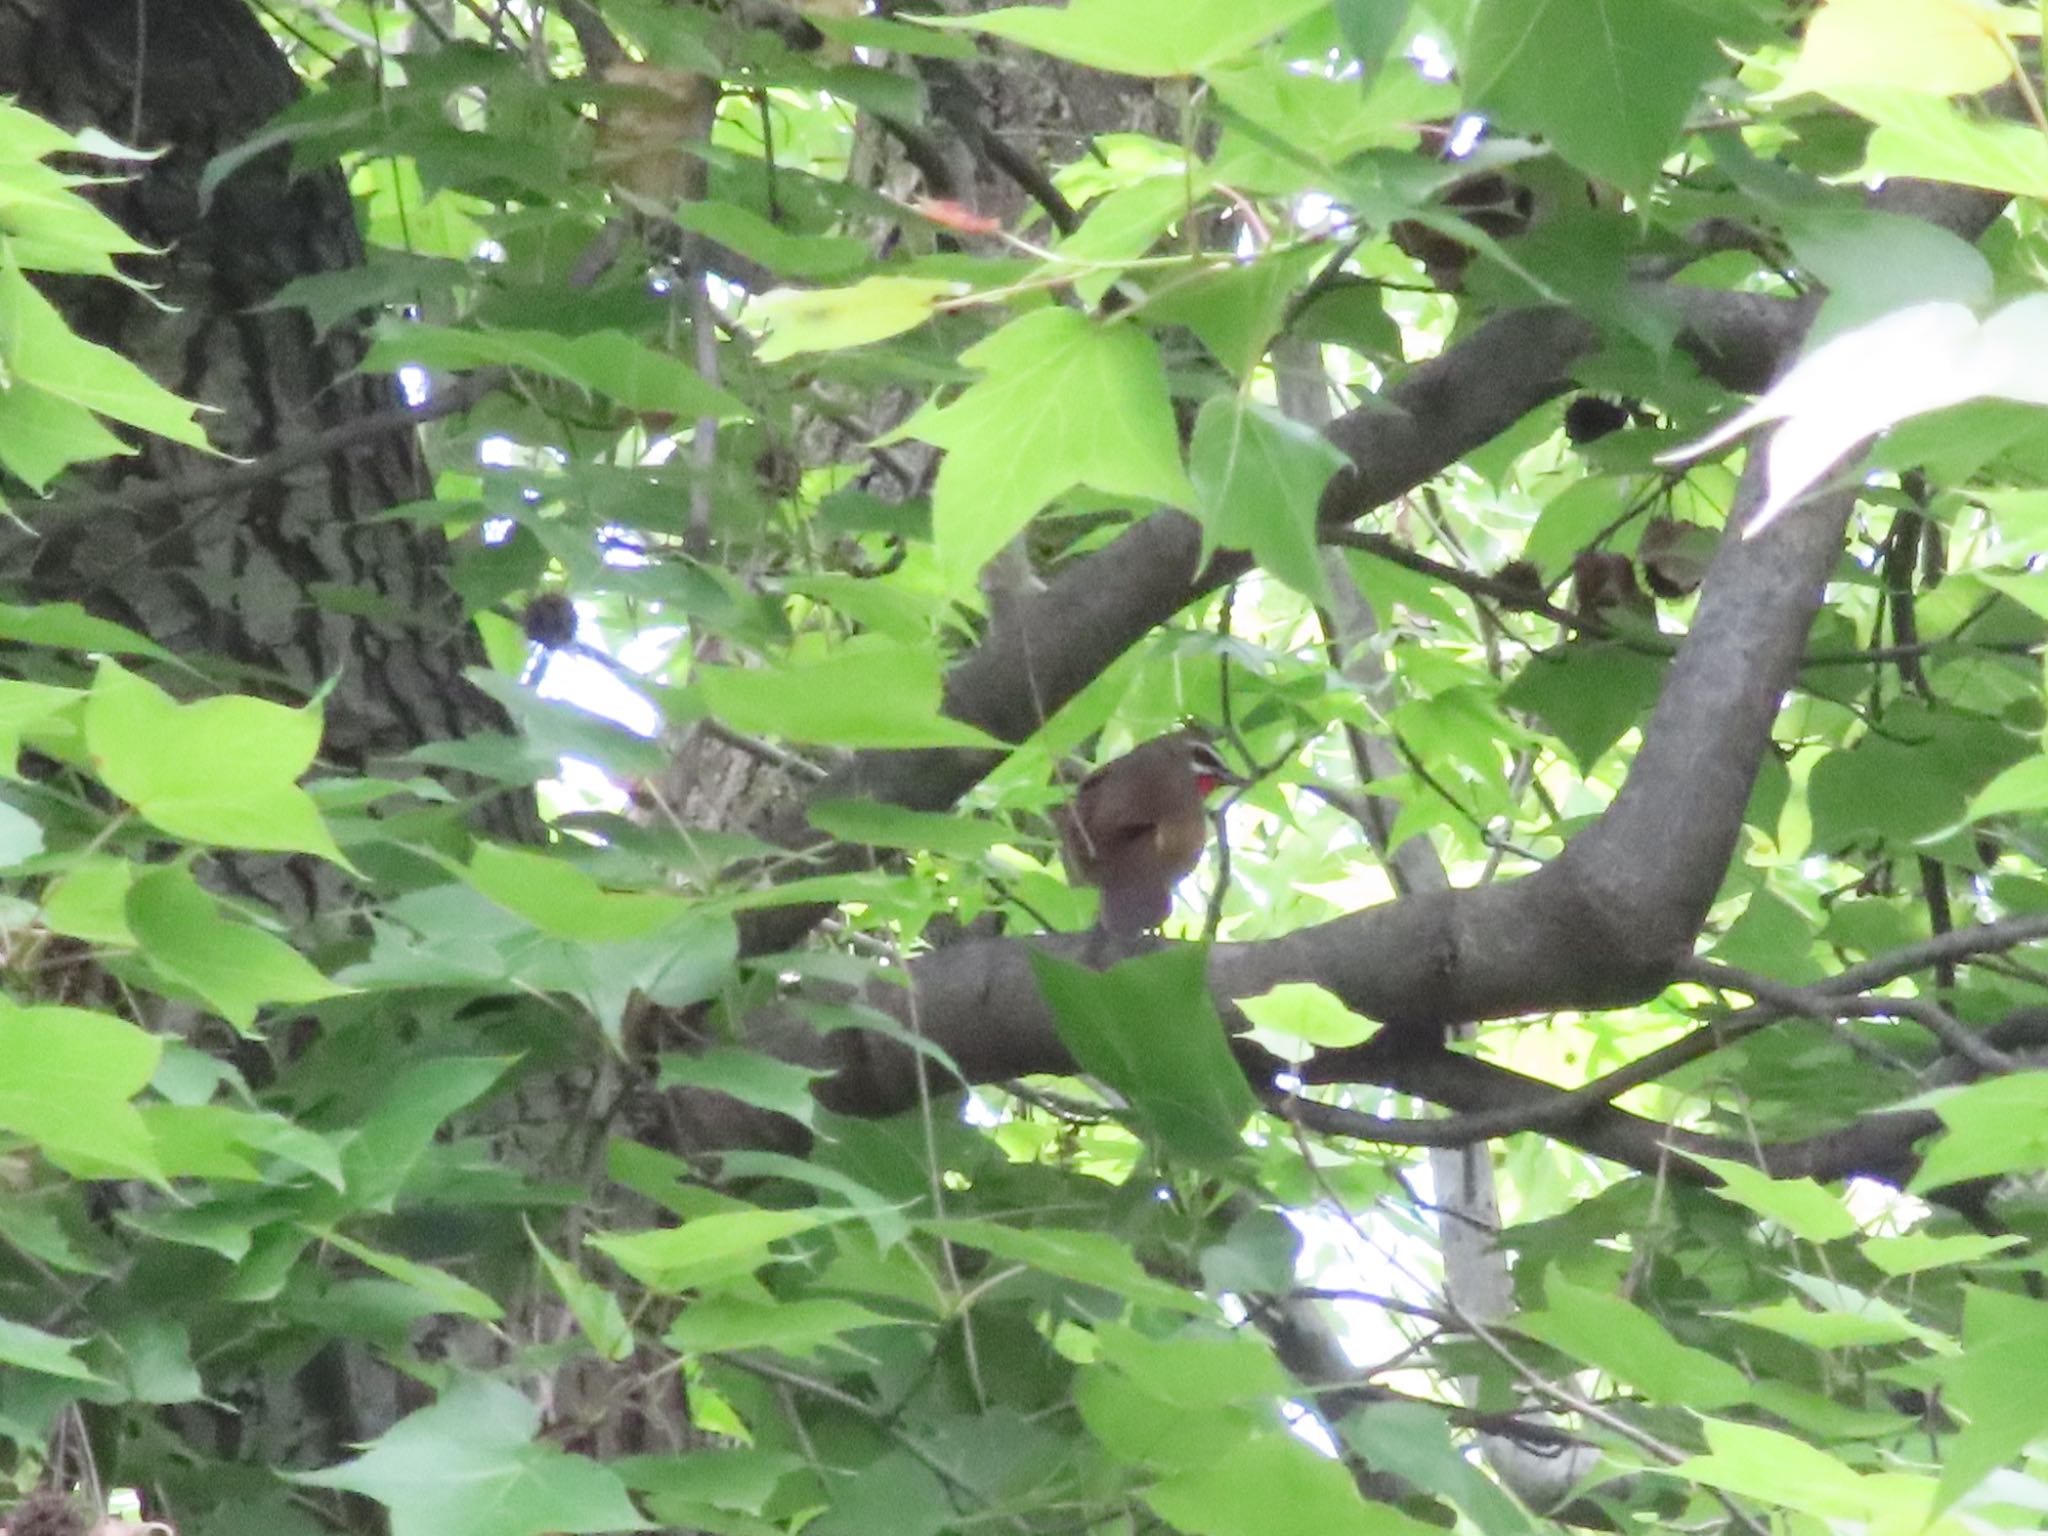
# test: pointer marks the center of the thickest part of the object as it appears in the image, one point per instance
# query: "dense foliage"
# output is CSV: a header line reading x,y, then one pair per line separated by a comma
x,y
1592,1080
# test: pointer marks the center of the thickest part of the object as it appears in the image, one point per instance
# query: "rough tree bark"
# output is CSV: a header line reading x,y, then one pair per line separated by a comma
x,y
281,586
273,586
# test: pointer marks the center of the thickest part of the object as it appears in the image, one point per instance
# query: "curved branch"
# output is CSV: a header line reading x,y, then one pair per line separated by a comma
x,y
1056,641
1877,1146
1605,924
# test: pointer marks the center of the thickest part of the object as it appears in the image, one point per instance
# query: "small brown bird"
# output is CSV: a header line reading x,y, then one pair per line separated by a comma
x,y
1139,823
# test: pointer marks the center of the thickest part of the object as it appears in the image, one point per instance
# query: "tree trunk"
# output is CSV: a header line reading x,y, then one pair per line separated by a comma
x,y
280,584
293,582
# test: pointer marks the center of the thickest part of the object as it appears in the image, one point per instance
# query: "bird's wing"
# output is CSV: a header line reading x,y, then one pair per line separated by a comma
x,y
1112,810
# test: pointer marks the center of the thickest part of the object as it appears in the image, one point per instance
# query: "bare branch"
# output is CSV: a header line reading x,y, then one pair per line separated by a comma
x,y
141,495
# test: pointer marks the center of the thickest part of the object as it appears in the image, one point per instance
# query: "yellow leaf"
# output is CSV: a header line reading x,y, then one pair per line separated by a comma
x,y
1936,47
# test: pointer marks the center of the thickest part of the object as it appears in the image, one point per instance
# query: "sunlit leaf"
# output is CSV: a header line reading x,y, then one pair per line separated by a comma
x,y
710,1248
1260,478
1138,37
609,363
1912,1252
46,1354
828,319
1801,1206
596,1310
861,695
1274,1485
798,1328
1766,1464
39,350
235,967
1862,381
66,1078
1993,1127
1943,47
223,770
1308,1013
473,1464
1063,401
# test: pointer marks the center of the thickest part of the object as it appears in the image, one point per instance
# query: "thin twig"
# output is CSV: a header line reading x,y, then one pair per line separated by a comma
x,y
1565,1105
149,495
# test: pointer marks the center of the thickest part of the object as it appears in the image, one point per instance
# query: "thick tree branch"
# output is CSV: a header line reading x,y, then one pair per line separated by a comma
x,y
1604,925
1053,643
1056,641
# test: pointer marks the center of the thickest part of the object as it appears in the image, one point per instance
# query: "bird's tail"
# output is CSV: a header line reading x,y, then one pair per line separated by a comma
x,y
1131,907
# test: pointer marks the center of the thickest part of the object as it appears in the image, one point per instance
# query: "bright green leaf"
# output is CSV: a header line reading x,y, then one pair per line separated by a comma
x,y
1800,1206
707,1249
872,694
891,826
2022,787
609,363
70,627
1922,135
1942,47
596,1310
1609,82
832,319
472,1465
788,255
2007,1349
66,1078
30,1349
798,1328
1197,1368
558,898
1259,477
221,771
1881,1324
1148,1028
1631,1345
21,837
1767,1464
1589,692
1139,37
39,713
1274,1485
38,348
1303,1011
235,967
1912,1252
1063,401
1994,1127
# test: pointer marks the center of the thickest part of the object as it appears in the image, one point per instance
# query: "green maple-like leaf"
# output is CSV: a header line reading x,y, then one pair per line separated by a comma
x,y
470,1466
1063,401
